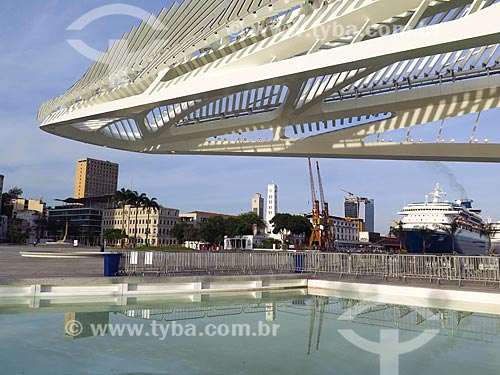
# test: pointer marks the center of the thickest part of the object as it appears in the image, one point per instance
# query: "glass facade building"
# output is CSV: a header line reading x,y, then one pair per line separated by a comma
x,y
75,223
361,208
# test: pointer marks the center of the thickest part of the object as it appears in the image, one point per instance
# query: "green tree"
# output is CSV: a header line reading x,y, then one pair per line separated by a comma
x,y
192,233
213,230
425,233
15,192
245,223
398,232
282,223
113,235
137,201
451,230
178,231
122,199
300,225
149,205
285,223
233,227
7,206
489,230
185,232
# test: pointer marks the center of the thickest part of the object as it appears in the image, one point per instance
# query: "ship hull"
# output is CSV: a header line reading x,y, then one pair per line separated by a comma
x,y
466,243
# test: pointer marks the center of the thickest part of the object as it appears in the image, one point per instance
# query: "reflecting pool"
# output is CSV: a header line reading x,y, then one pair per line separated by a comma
x,y
271,333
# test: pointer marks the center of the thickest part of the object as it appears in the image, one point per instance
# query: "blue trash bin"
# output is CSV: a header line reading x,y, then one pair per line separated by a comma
x,y
111,264
299,262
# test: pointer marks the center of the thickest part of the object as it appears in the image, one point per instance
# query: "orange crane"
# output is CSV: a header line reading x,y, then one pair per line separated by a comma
x,y
315,241
327,237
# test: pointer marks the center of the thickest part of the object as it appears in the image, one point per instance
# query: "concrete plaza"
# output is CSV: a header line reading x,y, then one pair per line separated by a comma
x,y
14,266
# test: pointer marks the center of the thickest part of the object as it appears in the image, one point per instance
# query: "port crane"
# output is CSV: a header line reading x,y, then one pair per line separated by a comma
x,y
315,241
348,192
321,236
328,240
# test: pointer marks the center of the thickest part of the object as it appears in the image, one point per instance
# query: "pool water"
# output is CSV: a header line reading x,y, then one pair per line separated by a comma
x,y
309,337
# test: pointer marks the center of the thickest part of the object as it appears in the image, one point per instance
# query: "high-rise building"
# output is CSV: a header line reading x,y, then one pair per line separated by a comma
x,y
95,178
272,201
361,208
258,205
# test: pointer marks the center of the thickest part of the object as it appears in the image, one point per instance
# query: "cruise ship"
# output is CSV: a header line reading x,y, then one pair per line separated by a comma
x,y
442,227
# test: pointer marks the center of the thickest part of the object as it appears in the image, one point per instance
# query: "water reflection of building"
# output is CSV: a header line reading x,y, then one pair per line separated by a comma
x,y
271,312
457,324
78,325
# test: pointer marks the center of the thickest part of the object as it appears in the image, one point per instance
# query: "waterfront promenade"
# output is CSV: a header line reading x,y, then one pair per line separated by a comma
x,y
14,268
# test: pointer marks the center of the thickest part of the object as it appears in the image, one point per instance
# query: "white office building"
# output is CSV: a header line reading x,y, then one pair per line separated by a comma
x,y
272,202
271,209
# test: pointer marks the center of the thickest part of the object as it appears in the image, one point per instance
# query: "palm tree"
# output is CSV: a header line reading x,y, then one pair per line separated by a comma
x,y
489,230
451,230
425,232
149,205
122,198
398,232
136,201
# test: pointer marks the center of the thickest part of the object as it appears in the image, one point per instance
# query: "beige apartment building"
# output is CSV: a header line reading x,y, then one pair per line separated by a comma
x,y
21,204
95,178
160,224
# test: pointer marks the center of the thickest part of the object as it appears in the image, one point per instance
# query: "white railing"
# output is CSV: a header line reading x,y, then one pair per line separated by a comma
x,y
402,266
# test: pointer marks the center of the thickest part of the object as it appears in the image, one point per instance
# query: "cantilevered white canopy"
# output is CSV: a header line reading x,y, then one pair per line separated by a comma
x,y
326,78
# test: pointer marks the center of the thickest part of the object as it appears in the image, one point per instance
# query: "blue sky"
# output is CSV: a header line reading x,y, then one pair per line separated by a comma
x,y
37,64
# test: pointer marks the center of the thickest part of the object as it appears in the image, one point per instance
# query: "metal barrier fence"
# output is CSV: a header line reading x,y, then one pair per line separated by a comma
x,y
440,267
156,262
